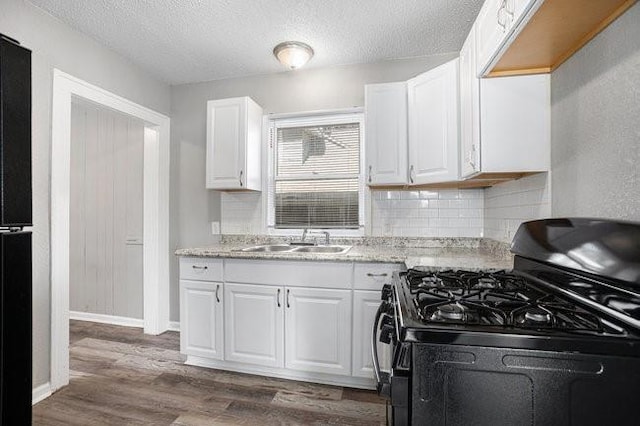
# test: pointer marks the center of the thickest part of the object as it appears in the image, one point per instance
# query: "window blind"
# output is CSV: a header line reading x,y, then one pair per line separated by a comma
x,y
316,180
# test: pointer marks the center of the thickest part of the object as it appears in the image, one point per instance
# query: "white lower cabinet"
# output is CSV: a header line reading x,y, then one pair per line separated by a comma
x,y
365,306
254,324
315,326
201,321
317,332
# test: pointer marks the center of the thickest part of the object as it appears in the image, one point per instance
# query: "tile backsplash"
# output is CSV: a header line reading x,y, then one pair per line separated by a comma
x,y
509,204
241,213
493,212
443,213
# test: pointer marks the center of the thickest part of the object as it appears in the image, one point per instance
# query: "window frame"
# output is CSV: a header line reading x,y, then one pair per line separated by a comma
x,y
274,122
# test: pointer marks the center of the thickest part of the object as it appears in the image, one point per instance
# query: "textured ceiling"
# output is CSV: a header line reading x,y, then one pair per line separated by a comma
x,y
183,41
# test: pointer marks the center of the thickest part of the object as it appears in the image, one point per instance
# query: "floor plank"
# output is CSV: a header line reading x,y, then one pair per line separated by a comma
x,y
120,376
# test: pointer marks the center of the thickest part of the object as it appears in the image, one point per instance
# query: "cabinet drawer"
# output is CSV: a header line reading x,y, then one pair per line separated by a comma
x,y
200,269
289,273
372,276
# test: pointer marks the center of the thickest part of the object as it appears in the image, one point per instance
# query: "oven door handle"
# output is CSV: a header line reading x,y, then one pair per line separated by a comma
x,y
383,381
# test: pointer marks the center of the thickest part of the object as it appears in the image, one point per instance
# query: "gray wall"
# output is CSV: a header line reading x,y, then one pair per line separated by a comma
x,y
192,206
55,45
595,122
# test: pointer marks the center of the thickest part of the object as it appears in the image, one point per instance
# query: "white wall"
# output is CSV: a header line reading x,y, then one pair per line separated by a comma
x,y
595,125
55,45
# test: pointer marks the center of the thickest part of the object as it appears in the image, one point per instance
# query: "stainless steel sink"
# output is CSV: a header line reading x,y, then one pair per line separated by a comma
x,y
286,248
323,249
269,248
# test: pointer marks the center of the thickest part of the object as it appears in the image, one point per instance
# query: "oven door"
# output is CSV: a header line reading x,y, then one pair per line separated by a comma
x,y
393,384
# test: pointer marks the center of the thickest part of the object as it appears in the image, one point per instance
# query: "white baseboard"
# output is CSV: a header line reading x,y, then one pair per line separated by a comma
x,y
106,319
40,393
174,326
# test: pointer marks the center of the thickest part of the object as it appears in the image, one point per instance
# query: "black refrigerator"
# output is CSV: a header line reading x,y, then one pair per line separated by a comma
x,y
15,242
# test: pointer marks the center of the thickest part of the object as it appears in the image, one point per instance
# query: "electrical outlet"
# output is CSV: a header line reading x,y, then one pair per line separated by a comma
x,y
215,228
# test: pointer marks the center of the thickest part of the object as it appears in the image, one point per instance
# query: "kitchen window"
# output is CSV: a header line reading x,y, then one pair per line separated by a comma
x,y
315,176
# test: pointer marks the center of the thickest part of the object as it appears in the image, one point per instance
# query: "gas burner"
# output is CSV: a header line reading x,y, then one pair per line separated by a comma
x,y
431,282
484,282
537,316
451,311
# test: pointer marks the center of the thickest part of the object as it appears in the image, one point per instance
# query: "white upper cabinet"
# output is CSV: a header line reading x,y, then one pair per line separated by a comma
x,y
386,133
234,132
505,122
498,23
433,125
469,108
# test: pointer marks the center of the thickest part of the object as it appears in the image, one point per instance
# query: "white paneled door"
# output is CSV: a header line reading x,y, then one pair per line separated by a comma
x,y
254,324
318,336
201,318
106,212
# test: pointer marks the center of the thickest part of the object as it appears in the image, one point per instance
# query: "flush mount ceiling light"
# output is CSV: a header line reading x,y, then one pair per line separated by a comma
x,y
293,54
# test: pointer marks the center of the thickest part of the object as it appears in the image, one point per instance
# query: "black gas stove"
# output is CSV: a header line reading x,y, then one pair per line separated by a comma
x,y
556,340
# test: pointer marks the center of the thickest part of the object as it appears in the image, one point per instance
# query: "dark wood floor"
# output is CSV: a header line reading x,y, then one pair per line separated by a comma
x,y
120,376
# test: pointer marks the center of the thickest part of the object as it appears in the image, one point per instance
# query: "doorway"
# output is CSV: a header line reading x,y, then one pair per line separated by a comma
x,y
105,250
156,253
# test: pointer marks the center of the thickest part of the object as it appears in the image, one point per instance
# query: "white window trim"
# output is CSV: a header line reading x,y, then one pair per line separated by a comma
x,y
273,121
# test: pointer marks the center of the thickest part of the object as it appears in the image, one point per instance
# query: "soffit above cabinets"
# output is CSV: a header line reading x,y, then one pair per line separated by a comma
x,y
193,41
557,30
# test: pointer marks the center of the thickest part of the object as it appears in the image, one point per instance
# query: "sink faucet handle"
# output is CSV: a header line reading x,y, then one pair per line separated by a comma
x,y
326,237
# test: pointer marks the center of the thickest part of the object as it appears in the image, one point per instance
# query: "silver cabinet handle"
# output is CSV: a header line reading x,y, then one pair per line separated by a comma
x,y
199,267
411,173
288,306
370,173
384,274
217,290
278,298
240,177
500,23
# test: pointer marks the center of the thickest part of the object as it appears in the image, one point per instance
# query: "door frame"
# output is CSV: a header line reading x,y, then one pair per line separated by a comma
x,y
156,254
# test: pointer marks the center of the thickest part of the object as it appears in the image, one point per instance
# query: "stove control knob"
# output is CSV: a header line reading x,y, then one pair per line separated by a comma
x,y
387,333
386,292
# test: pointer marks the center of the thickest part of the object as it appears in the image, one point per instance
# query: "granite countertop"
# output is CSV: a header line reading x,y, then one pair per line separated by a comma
x,y
425,253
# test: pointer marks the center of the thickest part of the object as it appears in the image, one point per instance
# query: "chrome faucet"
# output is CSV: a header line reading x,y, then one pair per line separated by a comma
x,y
306,232
326,238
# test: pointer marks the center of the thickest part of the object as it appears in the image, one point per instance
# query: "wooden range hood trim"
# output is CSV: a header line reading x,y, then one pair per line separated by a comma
x,y
481,180
544,22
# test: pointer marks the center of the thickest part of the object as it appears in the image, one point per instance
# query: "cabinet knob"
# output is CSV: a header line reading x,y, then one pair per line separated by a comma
x,y
217,290
240,177
288,306
384,274
370,167
411,173
278,298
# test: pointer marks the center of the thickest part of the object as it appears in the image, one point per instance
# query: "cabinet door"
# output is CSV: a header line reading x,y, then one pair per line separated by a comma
x,y
226,143
318,335
365,305
386,133
433,125
201,326
254,324
469,108
492,30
